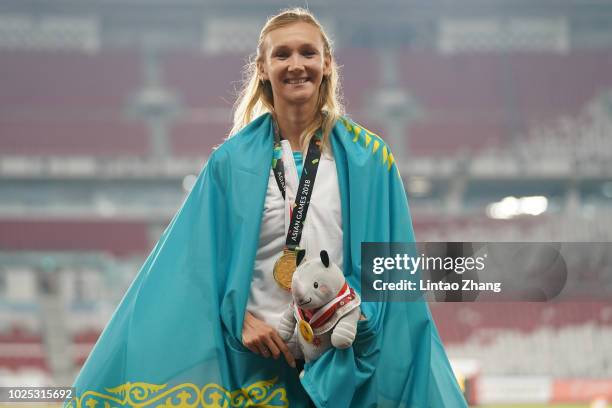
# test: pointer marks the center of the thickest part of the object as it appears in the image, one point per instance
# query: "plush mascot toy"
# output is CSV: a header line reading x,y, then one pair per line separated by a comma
x,y
324,307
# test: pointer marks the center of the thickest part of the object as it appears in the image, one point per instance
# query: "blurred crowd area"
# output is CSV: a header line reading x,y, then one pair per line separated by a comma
x,y
499,116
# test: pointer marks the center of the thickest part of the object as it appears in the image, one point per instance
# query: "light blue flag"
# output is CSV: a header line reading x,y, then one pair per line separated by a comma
x,y
175,339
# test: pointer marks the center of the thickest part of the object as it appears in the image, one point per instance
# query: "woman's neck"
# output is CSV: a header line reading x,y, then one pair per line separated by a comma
x,y
292,121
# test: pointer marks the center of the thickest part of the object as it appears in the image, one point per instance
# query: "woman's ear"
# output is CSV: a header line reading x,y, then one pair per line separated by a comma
x,y
327,65
261,72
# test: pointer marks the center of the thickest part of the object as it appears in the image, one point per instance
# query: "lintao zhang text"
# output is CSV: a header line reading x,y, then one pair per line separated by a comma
x,y
466,285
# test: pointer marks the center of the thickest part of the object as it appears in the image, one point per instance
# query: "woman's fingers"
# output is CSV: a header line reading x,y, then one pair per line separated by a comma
x,y
251,333
252,347
284,349
269,343
262,339
257,346
263,350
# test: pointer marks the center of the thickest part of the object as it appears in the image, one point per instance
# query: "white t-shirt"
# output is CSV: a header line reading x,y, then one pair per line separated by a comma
x,y
322,230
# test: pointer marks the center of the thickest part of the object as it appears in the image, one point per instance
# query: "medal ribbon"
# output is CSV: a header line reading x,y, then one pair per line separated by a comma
x,y
306,185
325,312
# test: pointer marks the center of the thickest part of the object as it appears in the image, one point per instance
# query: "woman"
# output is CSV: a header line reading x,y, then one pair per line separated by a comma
x,y
295,78
198,325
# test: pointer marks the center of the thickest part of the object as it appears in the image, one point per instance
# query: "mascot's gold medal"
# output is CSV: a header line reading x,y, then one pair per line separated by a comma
x,y
284,268
306,331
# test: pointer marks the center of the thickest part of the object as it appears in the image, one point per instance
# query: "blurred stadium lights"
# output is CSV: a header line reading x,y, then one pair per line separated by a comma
x,y
48,32
396,104
155,101
606,189
497,34
105,207
222,35
512,207
605,102
188,182
83,167
239,34
418,186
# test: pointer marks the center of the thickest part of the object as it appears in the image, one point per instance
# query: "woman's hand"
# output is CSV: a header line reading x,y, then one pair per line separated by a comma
x,y
264,340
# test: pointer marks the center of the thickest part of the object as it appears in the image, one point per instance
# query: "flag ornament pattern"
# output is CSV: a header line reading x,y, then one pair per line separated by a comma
x,y
265,393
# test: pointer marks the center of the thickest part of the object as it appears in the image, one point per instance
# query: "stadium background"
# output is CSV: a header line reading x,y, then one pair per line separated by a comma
x,y
498,112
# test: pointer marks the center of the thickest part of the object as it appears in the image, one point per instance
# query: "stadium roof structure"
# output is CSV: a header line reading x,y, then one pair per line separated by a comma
x,y
406,23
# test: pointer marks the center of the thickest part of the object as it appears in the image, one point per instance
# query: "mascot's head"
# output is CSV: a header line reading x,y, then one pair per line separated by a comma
x,y
315,282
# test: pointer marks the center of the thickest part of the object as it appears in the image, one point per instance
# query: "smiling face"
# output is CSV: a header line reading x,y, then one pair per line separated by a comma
x,y
294,61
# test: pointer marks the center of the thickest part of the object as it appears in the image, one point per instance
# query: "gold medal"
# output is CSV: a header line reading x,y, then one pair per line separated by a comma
x,y
306,331
284,268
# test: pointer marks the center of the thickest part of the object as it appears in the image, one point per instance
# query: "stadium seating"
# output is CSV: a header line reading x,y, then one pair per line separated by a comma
x,y
73,137
69,103
202,80
197,138
65,82
21,348
360,72
569,339
489,99
118,238
549,85
74,103
593,225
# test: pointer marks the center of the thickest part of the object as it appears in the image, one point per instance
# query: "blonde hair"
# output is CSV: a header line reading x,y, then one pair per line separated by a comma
x,y
256,97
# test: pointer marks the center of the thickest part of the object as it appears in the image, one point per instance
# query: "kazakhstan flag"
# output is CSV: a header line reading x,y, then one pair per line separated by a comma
x,y
175,339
